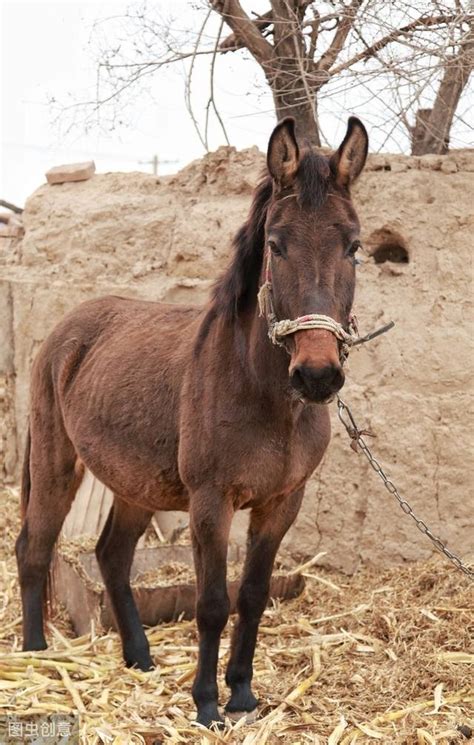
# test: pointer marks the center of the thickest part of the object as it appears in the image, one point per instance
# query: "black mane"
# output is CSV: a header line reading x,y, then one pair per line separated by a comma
x,y
237,287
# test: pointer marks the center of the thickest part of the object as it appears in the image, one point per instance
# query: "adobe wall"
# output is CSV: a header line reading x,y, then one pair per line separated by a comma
x,y
167,239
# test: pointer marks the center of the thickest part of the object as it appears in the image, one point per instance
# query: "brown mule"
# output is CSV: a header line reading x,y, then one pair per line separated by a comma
x,y
189,408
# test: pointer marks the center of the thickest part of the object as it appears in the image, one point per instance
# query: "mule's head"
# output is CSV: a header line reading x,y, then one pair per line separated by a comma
x,y
311,240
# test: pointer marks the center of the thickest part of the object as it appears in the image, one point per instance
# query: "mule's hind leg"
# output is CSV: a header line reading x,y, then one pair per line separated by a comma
x,y
115,549
266,530
46,499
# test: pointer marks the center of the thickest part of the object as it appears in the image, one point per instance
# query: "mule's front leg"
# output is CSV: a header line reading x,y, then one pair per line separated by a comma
x,y
267,527
210,518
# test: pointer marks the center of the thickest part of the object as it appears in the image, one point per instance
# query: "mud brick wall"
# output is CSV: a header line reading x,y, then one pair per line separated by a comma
x,y
167,239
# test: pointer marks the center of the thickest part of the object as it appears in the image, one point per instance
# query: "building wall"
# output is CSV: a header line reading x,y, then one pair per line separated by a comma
x,y
167,239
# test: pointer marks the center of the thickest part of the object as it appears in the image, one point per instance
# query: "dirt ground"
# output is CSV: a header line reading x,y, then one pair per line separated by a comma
x,y
382,656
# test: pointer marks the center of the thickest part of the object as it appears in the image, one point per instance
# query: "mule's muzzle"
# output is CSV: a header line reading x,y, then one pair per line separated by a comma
x,y
317,384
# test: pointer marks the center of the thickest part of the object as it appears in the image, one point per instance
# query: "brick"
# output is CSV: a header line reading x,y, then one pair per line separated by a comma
x,y
11,231
70,172
449,165
398,165
430,162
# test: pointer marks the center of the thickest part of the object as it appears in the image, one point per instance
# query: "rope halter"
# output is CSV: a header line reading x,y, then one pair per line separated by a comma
x,y
278,330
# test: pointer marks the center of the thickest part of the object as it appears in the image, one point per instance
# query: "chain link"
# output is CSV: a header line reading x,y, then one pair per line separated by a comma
x,y
356,436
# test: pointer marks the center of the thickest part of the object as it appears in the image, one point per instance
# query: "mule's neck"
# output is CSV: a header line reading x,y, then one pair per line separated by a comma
x,y
264,365
268,363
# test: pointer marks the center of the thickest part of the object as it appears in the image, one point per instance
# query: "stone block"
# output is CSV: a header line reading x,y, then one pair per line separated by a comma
x,y
70,172
11,230
431,162
449,165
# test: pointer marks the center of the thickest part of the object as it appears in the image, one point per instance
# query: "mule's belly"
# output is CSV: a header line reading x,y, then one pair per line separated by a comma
x,y
140,482
149,477
132,456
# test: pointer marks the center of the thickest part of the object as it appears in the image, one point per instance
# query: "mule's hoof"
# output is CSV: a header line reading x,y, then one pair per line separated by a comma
x,y
35,646
249,716
145,664
242,700
210,718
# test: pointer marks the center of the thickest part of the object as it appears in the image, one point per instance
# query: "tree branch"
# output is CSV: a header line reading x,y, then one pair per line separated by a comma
x,y
244,29
10,206
337,44
232,42
393,36
212,101
187,85
313,38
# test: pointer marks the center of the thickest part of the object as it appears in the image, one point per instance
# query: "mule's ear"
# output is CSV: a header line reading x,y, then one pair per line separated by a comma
x,y
347,163
283,156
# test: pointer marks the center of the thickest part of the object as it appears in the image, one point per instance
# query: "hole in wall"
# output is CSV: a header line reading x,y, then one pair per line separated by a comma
x,y
387,244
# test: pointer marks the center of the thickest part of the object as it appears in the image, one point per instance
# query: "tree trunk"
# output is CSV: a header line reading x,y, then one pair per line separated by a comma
x,y
431,132
291,99
418,132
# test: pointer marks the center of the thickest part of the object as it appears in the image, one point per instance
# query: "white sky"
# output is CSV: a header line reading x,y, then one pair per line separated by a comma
x,y
45,53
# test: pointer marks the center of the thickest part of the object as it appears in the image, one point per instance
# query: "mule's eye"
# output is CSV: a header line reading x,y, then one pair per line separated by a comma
x,y
354,247
275,249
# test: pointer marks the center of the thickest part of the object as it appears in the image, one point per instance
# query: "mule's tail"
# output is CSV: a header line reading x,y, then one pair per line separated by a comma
x,y
25,492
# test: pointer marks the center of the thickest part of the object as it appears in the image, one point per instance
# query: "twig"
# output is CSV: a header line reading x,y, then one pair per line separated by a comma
x,y
187,87
211,101
10,206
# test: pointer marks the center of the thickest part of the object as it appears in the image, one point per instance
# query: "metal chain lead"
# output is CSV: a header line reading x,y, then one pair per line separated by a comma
x,y
356,436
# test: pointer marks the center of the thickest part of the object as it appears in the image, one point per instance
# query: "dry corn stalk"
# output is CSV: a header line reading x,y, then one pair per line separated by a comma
x,y
364,650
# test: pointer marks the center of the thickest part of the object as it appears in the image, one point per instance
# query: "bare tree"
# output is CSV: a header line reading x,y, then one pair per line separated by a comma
x,y
431,131
296,73
309,51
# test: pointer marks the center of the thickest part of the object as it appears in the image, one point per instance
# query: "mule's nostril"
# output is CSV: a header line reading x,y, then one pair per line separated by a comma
x,y
338,378
330,376
297,379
